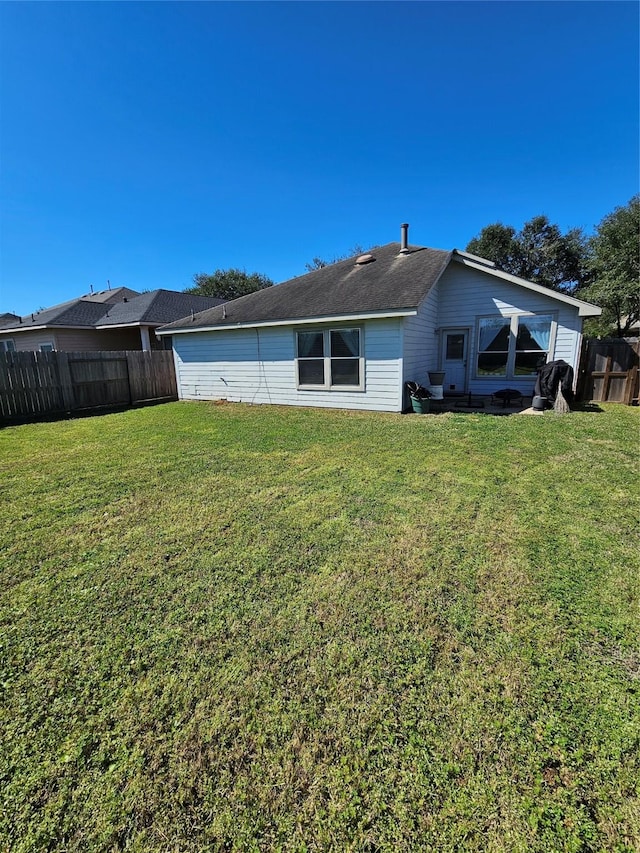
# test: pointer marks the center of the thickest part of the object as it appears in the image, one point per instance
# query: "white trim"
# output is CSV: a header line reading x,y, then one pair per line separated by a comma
x,y
145,340
484,261
135,324
585,309
340,318
401,365
442,333
24,328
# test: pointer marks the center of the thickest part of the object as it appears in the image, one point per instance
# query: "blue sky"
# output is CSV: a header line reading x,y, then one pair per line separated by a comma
x,y
144,142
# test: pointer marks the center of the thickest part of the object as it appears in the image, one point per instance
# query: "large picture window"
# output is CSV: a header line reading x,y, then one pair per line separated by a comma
x,y
513,347
330,359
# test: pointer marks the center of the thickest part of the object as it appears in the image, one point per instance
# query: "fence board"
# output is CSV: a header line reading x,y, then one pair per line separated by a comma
x,y
40,383
609,370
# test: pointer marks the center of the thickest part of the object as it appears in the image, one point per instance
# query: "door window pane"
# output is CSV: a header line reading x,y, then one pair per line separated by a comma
x,y
455,347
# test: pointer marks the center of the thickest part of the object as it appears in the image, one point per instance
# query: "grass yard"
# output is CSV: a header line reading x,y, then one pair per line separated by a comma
x,y
235,628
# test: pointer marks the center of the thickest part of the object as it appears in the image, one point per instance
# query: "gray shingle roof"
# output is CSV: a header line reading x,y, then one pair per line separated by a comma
x,y
82,311
153,308
8,317
157,306
390,282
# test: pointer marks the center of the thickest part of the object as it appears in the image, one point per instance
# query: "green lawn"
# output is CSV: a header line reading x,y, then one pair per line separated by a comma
x,y
227,627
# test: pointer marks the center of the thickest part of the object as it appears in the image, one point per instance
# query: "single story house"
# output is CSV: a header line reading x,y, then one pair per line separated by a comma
x,y
349,335
114,319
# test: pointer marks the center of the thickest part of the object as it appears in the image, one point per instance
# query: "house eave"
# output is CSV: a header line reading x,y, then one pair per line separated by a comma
x,y
136,324
585,309
339,318
48,327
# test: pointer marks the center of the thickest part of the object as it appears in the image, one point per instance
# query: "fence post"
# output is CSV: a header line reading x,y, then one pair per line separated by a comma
x,y
630,388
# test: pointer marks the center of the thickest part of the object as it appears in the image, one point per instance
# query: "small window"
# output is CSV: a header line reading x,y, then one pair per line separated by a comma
x,y
7,345
46,347
330,359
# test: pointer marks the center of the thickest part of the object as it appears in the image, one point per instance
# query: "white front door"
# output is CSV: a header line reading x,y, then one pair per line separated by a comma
x,y
454,357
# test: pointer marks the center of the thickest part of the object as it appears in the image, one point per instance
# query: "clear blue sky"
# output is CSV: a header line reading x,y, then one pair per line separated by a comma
x,y
146,142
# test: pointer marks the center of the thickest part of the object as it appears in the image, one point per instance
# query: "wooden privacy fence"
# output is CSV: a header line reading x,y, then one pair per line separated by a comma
x,y
33,384
609,370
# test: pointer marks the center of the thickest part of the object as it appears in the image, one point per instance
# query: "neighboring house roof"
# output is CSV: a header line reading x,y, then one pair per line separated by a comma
x,y
118,307
156,307
8,317
391,283
82,311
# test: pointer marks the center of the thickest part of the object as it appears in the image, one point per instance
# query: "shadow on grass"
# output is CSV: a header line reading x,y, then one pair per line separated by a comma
x,y
51,417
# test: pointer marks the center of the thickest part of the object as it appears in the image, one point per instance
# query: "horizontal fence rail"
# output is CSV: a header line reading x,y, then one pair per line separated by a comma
x,y
609,370
35,384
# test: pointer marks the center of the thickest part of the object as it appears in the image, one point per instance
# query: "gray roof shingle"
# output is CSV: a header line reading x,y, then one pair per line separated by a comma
x,y
126,307
392,281
157,306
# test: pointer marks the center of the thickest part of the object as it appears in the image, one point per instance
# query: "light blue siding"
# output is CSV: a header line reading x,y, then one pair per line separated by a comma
x,y
258,366
420,342
465,294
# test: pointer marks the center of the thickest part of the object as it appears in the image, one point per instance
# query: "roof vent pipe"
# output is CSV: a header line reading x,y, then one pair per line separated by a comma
x,y
404,238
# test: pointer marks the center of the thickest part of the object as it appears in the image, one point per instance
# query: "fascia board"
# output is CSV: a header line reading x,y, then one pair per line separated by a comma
x,y
133,325
585,309
47,327
375,315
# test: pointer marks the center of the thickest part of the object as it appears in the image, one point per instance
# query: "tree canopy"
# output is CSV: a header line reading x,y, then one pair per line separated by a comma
x,y
228,284
540,252
615,265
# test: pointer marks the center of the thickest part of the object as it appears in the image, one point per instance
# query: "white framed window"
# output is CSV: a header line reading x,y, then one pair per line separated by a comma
x,y
47,347
514,347
8,345
330,359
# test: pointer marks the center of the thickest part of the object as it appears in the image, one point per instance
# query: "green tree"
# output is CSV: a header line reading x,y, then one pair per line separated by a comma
x,y
497,243
539,252
228,284
615,266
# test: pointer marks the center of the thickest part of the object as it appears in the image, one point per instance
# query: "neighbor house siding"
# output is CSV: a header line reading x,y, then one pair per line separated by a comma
x,y
79,340
466,294
258,366
87,340
31,341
